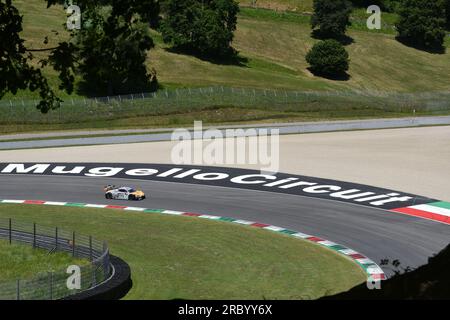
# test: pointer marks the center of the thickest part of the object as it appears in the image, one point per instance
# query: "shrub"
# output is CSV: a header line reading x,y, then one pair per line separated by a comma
x,y
328,58
204,27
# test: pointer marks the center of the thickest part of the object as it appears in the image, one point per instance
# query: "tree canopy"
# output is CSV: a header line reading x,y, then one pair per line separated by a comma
x,y
204,27
331,18
328,58
422,23
108,52
16,70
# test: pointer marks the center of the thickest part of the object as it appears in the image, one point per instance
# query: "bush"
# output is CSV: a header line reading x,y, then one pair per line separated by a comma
x,y
328,58
422,23
204,27
331,17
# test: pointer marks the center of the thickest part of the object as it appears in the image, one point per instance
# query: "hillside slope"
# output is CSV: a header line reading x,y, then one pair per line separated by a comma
x,y
273,48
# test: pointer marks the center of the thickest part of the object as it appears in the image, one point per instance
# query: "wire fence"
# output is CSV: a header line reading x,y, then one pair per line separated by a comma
x,y
53,284
177,101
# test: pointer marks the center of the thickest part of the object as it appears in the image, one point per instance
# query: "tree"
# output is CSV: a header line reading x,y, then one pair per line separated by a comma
x,y
328,58
204,27
110,50
15,68
331,17
447,14
422,23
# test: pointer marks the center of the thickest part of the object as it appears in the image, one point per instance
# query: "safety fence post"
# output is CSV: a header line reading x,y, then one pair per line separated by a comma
x,y
18,289
73,244
10,230
56,238
34,235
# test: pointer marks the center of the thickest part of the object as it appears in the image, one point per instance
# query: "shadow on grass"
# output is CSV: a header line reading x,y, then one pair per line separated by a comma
x,y
89,88
343,39
421,47
231,59
343,76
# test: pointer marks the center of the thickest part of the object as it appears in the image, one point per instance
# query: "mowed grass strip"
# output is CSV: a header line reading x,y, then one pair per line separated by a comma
x,y
191,258
21,261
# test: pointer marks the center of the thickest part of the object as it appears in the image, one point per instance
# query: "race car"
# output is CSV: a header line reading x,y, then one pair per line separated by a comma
x,y
123,193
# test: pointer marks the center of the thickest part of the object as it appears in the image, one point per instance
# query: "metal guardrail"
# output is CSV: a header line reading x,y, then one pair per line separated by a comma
x,y
53,284
166,102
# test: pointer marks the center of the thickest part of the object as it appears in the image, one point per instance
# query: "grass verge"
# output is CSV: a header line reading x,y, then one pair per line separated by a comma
x,y
21,261
189,258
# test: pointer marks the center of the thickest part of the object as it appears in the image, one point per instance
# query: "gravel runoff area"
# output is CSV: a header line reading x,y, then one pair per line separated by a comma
x,y
415,160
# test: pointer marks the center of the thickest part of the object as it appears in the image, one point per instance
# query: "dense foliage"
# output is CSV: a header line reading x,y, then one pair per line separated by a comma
x,y
331,18
422,23
16,70
110,50
204,27
328,58
108,53
447,13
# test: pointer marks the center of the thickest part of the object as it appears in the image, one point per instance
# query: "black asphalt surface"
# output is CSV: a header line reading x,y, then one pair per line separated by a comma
x,y
375,233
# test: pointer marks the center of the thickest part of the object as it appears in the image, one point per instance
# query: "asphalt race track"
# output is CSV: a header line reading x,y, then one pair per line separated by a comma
x,y
376,233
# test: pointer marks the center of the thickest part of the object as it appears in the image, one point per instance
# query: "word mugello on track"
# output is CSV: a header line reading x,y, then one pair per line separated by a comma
x,y
375,229
226,177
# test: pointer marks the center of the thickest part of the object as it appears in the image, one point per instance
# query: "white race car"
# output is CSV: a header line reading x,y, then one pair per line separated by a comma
x,y
123,193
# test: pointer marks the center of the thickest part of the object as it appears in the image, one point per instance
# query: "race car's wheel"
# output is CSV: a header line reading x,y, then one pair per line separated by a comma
x,y
108,196
131,197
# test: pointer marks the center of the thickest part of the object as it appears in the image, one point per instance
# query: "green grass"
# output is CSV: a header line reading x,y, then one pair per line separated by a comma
x,y
221,116
275,45
21,261
221,106
281,40
272,47
190,258
281,5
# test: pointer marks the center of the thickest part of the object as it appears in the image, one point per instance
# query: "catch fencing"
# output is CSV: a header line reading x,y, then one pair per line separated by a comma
x,y
53,285
179,101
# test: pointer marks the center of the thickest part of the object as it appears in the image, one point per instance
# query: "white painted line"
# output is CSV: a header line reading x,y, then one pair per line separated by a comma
x,y
177,213
51,203
13,201
273,228
134,209
301,235
245,222
207,216
365,261
327,243
95,206
348,251
432,209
